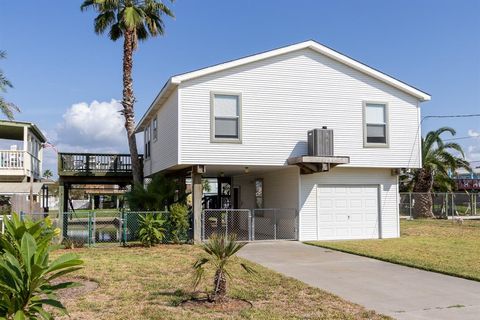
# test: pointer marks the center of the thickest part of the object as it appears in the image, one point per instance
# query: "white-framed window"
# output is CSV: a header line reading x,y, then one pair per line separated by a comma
x,y
154,128
375,128
226,119
148,138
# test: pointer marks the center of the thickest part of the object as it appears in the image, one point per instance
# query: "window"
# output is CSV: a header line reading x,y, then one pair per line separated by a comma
x,y
226,119
147,142
154,126
375,124
258,193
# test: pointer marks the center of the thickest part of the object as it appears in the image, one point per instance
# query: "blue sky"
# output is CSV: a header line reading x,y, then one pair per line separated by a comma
x,y
59,66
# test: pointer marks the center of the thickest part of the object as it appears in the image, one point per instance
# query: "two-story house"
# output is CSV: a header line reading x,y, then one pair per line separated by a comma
x,y
245,122
21,157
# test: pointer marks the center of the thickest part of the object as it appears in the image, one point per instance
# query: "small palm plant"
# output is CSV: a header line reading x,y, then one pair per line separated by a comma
x,y
151,230
221,252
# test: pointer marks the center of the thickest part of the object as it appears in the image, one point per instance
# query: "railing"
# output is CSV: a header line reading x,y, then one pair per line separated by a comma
x,y
11,159
94,163
19,160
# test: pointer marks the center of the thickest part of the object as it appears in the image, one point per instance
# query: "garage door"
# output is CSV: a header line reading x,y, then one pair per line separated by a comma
x,y
347,211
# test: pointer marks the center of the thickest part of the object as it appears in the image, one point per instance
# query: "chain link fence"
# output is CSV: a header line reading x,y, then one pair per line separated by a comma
x,y
444,205
251,225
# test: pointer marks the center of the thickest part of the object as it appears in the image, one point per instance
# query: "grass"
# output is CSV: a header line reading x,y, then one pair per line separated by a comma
x,y
140,283
434,245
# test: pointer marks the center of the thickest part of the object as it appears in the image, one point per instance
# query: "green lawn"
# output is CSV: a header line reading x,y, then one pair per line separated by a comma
x,y
436,245
141,283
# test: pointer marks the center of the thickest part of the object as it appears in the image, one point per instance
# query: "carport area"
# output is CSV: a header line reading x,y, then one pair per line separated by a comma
x,y
394,290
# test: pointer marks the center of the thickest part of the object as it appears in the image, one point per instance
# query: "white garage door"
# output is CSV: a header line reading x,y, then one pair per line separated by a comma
x,y
347,211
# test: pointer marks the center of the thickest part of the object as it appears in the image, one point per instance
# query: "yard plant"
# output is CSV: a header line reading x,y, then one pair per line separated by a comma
x,y
131,20
221,252
28,279
151,230
178,222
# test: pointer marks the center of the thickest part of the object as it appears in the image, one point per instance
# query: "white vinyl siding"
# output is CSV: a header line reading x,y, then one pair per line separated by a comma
x,y
388,198
285,96
164,149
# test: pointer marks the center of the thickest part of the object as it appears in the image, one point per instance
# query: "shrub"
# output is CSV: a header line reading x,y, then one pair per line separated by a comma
x,y
178,222
151,230
221,252
26,272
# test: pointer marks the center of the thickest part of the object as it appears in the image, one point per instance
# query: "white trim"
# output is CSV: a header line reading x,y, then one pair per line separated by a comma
x,y
367,144
179,125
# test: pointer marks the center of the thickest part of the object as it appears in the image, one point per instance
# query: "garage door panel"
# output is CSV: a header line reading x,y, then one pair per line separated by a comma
x,y
347,211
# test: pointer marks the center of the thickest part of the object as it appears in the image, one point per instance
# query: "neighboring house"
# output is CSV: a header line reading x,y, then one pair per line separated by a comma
x,y
246,122
468,181
21,163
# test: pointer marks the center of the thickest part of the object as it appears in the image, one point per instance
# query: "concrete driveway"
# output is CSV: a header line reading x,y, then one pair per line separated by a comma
x,y
397,291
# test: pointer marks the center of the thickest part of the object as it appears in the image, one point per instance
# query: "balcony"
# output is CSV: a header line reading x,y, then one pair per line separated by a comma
x,y
18,164
94,168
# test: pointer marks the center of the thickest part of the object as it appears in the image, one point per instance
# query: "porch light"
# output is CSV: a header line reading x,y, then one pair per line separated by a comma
x,y
222,174
247,170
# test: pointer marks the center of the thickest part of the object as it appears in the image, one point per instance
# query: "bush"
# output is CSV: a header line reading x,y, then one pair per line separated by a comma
x,y
151,230
178,222
26,272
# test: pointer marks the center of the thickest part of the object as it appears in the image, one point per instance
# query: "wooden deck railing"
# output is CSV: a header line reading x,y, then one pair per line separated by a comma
x,y
88,163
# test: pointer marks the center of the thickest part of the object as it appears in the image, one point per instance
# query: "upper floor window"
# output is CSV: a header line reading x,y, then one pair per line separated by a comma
x,y
226,117
154,128
375,124
147,139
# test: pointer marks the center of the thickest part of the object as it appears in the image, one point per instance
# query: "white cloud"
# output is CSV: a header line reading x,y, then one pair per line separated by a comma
x,y
473,133
94,127
473,148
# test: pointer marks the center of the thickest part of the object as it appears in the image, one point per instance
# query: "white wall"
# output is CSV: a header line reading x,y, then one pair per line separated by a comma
x,y
388,197
285,96
164,151
280,189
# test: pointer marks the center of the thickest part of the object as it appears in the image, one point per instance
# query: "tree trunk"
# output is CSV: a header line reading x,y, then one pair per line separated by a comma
x,y
422,196
128,104
220,286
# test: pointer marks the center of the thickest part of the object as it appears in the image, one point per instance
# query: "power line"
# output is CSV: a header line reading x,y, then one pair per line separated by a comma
x,y
452,116
462,138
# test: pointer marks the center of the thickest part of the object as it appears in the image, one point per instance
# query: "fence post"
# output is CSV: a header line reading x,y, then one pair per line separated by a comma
x,y
274,224
226,222
124,228
89,227
410,205
249,225
202,236
452,206
253,225
94,227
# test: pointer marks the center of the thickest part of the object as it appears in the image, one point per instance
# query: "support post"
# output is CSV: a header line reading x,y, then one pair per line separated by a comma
x,y
61,210
197,193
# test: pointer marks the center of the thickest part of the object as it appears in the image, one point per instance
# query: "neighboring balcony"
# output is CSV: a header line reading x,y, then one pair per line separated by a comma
x,y
17,165
90,168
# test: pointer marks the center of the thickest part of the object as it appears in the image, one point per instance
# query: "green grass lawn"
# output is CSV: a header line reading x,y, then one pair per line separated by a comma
x,y
436,245
141,283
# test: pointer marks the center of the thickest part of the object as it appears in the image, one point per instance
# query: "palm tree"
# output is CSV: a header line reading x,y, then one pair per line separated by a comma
x,y
133,20
438,164
7,108
47,174
221,252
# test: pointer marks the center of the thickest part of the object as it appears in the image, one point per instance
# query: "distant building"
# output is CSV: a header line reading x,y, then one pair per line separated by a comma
x,y
21,159
468,181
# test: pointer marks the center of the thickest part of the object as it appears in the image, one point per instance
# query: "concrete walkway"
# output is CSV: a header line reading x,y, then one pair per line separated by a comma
x,y
397,291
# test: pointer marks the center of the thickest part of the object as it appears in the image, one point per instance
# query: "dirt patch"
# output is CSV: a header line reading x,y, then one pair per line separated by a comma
x,y
228,305
86,286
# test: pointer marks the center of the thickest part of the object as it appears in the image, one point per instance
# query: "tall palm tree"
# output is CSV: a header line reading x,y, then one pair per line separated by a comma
x,y
131,20
438,164
7,108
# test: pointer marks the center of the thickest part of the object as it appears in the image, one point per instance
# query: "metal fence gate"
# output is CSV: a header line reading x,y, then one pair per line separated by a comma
x,y
251,225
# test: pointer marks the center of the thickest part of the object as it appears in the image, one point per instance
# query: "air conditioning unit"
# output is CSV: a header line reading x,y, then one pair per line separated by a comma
x,y
320,142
